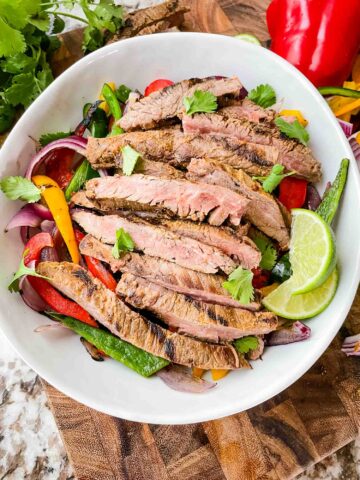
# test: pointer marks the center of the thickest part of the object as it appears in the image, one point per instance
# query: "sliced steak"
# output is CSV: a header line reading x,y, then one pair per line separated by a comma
x,y
246,109
174,147
291,153
166,104
193,201
200,286
155,169
103,304
256,354
263,211
198,319
157,242
242,249
152,19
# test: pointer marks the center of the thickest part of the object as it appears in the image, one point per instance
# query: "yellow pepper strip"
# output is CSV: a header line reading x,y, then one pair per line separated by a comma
x,y
295,113
357,138
352,85
104,105
218,374
56,202
356,70
346,117
198,372
268,289
350,107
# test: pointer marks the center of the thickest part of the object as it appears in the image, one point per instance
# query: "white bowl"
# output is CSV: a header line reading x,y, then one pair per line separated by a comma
x,y
58,356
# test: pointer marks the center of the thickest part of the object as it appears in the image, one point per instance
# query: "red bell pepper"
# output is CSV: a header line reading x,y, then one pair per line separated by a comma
x,y
34,246
96,268
292,192
320,37
261,277
157,85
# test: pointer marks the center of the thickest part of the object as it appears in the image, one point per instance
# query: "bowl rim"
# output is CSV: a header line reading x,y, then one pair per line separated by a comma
x,y
232,407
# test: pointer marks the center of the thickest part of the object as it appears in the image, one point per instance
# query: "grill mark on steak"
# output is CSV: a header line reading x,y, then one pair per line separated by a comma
x,y
157,242
201,320
86,279
166,104
199,286
182,198
155,169
130,326
263,211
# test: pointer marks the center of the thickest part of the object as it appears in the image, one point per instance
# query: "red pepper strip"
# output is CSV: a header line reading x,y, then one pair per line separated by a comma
x,y
59,166
320,37
35,245
96,268
292,192
261,277
59,303
157,85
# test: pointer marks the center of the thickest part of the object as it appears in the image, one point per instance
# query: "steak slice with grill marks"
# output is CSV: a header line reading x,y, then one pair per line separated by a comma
x,y
246,109
157,242
154,169
199,286
104,305
184,199
166,104
263,210
198,319
291,153
174,147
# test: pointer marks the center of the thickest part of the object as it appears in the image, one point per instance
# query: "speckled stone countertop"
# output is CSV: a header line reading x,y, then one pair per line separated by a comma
x,y
30,444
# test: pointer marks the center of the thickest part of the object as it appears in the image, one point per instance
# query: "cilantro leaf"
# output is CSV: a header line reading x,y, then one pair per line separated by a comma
x,y
268,252
92,40
129,158
239,285
122,93
20,188
21,271
11,40
7,115
200,102
22,90
245,344
123,243
270,182
19,63
293,130
40,20
263,95
50,137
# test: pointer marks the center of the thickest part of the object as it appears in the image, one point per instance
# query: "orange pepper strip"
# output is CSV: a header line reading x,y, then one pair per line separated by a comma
x,y
198,372
218,374
56,202
295,113
357,138
268,289
350,107
356,70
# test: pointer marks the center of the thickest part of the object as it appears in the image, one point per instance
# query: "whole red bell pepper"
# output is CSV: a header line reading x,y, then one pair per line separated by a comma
x,y
320,37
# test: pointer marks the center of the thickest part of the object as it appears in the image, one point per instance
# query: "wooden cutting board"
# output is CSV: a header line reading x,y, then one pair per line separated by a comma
x,y
318,415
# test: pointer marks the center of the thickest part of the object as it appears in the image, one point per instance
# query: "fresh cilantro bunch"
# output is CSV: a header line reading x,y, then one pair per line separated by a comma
x,y
28,31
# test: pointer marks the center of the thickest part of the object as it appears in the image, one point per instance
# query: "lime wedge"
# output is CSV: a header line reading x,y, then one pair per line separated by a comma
x,y
298,307
312,251
247,37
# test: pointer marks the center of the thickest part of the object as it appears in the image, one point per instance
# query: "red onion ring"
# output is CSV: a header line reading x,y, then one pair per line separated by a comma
x,y
30,297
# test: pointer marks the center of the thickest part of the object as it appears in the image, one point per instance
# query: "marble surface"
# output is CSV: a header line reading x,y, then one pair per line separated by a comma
x,y
30,444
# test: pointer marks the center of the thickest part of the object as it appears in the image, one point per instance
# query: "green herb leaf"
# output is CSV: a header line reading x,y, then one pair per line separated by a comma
x,y
83,173
263,95
245,344
200,102
20,188
58,25
11,40
123,243
92,39
40,20
239,285
22,91
268,252
293,130
122,93
19,63
52,136
129,158
270,182
7,115
21,271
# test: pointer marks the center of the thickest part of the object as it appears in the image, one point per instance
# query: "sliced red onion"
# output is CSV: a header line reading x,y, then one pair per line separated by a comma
x,y
47,226
351,345
92,350
347,127
102,172
296,333
30,297
78,144
27,232
25,217
49,326
180,379
49,254
355,147
43,212
313,198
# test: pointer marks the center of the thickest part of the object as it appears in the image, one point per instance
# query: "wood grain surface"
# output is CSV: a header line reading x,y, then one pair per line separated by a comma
x,y
276,440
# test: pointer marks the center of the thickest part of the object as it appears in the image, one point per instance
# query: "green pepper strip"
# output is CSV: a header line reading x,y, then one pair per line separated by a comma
x,y
114,107
84,172
133,357
342,92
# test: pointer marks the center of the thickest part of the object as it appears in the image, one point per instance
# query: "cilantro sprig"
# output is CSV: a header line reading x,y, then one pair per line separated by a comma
x,y
123,243
20,188
293,130
129,158
270,182
21,271
268,252
200,102
263,95
52,136
239,285
245,344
